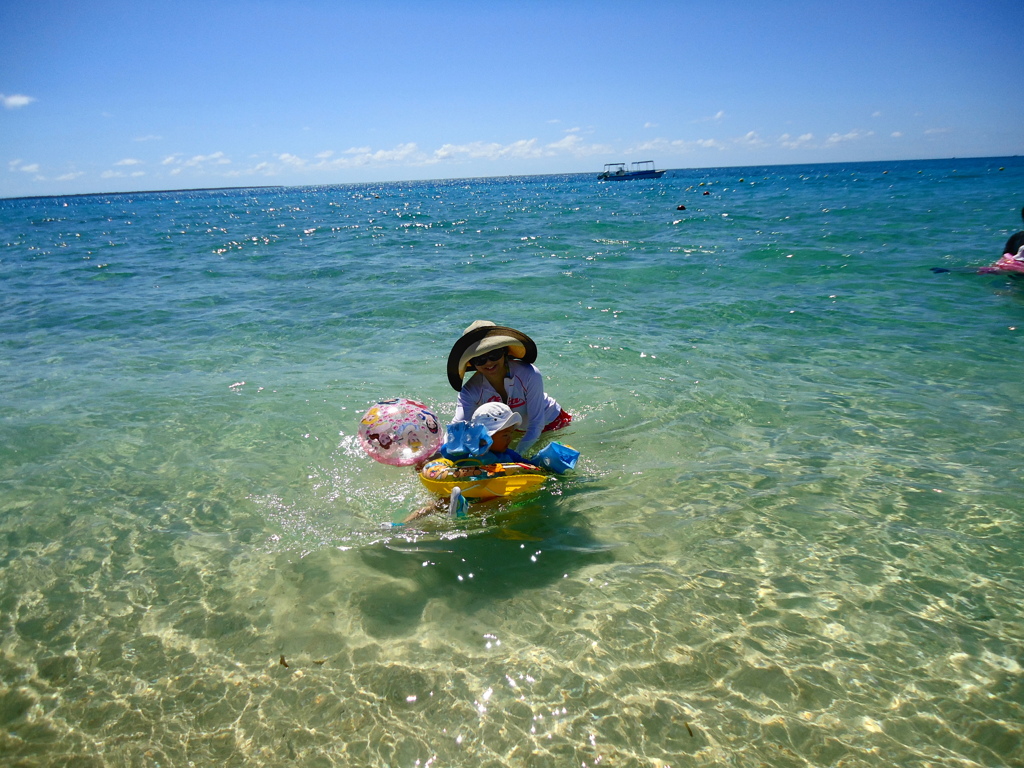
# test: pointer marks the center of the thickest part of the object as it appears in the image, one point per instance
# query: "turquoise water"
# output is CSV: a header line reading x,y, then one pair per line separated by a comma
x,y
793,539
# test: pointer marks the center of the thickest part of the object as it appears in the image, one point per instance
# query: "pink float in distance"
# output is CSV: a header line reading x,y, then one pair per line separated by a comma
x,y
399,432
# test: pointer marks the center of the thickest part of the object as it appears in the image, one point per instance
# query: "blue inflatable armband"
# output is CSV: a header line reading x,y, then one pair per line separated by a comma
x,y
464,440
556,457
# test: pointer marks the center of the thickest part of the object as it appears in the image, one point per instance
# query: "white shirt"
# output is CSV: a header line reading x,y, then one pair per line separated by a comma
x,y
526,396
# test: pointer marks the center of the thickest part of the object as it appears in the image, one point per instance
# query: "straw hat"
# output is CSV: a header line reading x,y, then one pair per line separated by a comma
x,y
481,337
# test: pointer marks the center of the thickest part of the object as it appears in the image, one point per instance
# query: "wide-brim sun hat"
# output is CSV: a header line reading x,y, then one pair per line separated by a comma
x,y
481,337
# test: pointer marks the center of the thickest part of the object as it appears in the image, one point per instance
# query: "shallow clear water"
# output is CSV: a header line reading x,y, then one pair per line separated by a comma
x,y
794,537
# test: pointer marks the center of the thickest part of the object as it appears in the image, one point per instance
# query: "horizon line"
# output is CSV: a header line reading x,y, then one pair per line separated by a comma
x,y
477,178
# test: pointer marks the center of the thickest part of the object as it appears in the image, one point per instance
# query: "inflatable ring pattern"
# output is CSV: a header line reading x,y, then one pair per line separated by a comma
x,y
487,480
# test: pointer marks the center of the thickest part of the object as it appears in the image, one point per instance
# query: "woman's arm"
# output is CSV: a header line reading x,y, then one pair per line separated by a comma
x,y
469,400
533,385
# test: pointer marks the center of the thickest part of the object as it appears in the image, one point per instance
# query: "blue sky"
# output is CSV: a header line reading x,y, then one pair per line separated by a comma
x,y
108,95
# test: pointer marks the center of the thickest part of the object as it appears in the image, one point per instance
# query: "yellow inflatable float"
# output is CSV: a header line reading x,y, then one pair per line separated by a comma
x,y
480,481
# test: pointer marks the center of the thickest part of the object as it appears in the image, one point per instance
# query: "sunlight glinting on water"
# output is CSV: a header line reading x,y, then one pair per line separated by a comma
x,y
792,539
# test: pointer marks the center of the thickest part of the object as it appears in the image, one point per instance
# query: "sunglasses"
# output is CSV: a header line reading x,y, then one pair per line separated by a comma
x,y
490,357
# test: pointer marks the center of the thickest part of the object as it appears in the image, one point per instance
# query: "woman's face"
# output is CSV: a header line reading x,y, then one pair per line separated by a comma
x,y
491,367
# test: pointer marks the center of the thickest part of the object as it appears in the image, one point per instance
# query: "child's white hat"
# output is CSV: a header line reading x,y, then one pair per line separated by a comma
x,y
495,416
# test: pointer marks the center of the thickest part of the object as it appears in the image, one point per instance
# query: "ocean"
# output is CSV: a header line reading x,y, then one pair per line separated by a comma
x,y
794,536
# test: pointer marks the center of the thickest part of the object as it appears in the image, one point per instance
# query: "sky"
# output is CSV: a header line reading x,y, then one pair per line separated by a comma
x,y
127,95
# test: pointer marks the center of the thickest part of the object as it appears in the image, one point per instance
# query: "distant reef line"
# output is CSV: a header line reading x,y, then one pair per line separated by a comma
x,y
706,169
143,192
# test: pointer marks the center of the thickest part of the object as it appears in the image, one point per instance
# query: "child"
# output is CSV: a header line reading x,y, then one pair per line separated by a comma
x,y
499,421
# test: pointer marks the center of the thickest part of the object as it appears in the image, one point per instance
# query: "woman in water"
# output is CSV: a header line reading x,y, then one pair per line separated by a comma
x,y
502,360
1016,242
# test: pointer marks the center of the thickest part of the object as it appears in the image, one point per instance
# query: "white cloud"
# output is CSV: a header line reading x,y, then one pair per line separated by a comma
x,y
523,149
854,135
476,150
750,139
933,131
407,154
69,176
366,156
217,158
791,142
326,161
675,146
573,145
128,161
20,165
650,125
410,154
663,146
150,137
196,161
711,118
15,100
897,134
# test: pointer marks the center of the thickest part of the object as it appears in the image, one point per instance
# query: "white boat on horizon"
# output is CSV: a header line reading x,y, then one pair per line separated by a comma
x,y
643,169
